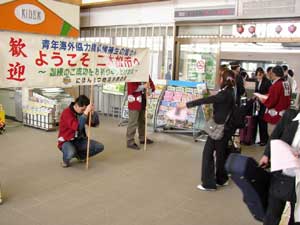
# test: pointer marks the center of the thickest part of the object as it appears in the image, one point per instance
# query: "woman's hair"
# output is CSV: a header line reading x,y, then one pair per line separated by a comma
x,y
259,70
244,74
227,79
269,69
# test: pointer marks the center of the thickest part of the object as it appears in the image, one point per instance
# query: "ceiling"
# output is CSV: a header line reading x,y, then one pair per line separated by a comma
x,y
104,3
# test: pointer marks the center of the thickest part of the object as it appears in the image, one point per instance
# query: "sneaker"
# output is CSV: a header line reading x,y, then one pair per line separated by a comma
x,y
81,160
205,189
223,185
133,146
149,142
64,165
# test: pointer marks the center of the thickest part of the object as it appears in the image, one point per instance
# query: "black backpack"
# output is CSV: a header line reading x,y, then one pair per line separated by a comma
x,y
237,118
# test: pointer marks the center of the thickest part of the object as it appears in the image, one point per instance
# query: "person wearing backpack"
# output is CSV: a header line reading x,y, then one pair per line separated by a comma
x,y
213,171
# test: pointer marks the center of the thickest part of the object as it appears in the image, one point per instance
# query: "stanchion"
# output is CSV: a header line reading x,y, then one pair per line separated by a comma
x,y
89,128
146,120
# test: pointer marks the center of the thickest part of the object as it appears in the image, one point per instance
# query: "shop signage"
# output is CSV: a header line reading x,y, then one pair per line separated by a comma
x,y
205,13
45,61
268,8
200,66
40,17
30,14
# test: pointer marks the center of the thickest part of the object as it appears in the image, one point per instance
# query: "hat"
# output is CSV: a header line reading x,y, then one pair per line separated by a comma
x,y
234,63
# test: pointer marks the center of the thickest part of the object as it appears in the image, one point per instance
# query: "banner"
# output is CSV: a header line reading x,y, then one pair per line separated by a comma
x,y
39,61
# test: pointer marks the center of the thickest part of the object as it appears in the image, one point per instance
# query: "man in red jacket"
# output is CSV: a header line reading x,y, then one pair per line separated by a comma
x,y
137,104
72,139
279,98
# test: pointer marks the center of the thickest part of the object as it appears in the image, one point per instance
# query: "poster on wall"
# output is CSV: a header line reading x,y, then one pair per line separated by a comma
x,y
201,67
29,60
114,88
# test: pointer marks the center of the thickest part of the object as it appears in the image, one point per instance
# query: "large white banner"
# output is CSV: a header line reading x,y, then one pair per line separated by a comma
x,y
29,60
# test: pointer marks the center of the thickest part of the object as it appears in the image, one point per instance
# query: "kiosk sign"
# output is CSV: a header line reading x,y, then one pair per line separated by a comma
x,y
30,14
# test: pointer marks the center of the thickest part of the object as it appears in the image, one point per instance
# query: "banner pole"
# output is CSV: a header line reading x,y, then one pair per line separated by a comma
x,y
89,128
146,120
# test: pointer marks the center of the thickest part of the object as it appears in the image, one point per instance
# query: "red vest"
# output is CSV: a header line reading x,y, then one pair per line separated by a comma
x,y
68,125
135,98
279,100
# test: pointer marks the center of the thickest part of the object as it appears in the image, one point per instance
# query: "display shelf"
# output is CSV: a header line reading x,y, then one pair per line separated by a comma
x,y
44,107
174,93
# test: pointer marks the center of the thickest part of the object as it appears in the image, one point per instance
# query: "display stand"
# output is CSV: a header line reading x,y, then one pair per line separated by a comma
x,y
175,92
44,107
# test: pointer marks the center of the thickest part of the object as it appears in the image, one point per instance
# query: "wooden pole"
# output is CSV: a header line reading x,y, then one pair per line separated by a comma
x,y
89,129
146,120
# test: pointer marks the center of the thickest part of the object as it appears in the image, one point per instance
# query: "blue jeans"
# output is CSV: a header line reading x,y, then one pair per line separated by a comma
x,y
77,148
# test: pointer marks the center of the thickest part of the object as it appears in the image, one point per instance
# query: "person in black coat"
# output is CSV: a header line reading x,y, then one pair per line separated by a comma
x,y
223,103
239,82
285,130
262,86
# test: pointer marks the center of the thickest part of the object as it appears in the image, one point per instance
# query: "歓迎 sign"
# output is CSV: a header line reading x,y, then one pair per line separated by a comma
x,y
39,61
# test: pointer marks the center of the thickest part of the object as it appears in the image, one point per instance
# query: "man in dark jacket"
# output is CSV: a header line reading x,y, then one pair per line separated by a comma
x,y
262,86
282,188
239,82
72,139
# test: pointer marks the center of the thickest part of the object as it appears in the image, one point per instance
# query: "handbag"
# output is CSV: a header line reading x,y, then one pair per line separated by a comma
x,y
214,130
283,187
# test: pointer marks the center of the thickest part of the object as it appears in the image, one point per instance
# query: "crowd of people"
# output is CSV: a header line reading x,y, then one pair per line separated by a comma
x,y
273,117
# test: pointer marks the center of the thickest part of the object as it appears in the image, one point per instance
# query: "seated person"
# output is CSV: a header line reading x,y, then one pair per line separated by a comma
x,y
72,139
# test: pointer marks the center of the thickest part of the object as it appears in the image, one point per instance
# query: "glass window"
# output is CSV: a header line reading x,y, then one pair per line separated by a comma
x,y
198,63
159,40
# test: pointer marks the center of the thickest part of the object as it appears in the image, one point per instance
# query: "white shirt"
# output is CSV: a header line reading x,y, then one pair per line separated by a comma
x,y
296,172
296,145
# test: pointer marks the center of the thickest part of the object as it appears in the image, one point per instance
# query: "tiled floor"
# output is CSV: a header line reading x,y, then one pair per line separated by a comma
x,y
122,187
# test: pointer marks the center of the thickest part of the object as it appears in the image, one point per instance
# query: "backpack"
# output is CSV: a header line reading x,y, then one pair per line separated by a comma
x,y
237,118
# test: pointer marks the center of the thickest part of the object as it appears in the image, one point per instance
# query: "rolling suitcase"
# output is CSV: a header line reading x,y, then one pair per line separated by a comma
x,y
252,180
246,134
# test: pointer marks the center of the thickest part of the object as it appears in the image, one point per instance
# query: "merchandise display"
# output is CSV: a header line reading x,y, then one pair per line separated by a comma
x,y
153,100
44,108
168,120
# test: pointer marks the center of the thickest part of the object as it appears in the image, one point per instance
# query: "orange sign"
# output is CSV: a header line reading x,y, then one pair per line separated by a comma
x,y
40,16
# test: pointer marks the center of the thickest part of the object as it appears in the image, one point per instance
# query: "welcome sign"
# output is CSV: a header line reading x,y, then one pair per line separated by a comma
x,y
46,61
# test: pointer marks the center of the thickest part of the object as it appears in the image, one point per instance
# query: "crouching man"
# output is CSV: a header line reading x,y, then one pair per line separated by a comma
x,y
72,139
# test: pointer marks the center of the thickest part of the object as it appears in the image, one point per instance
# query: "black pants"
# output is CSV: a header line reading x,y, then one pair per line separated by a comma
x,y
263,129
275,209
210,175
